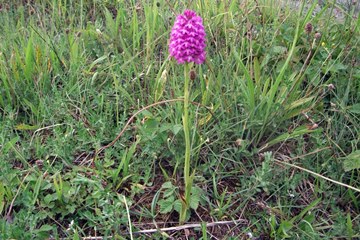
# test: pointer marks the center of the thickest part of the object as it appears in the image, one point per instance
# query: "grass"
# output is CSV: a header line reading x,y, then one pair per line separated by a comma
x,y
274,115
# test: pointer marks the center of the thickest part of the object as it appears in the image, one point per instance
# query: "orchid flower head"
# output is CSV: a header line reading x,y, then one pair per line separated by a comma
x,y
187,38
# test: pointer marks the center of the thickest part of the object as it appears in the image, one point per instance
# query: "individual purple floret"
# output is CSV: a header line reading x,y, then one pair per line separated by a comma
x,y
187,38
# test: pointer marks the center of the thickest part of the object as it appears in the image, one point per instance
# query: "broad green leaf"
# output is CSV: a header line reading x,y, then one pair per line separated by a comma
x,y
178,205
50,197
284,228
299,102
150,126
71,208
167,185
337,67
45,228
355,108
352,161
279,49
168,192
194,201
165,127
166,205
196,193
176,128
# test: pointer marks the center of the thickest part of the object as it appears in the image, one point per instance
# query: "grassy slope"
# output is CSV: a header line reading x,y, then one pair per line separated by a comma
x,y
73,72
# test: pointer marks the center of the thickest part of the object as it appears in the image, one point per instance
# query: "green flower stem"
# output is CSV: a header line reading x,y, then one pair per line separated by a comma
x,y
187,177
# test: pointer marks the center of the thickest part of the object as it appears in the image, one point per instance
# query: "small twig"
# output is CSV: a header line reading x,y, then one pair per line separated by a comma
x,y
90,238
177,228
308,154
318,175
192,225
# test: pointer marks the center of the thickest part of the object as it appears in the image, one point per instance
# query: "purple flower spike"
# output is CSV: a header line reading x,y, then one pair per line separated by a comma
x,y
187,38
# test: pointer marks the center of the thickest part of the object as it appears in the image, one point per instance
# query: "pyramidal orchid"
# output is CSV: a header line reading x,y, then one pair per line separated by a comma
x,y
187,46
187,38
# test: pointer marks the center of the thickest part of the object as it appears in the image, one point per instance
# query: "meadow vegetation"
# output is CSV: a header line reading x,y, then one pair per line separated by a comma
x,y
275,121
